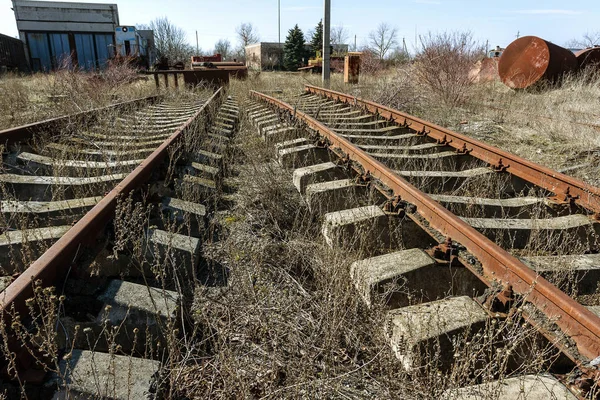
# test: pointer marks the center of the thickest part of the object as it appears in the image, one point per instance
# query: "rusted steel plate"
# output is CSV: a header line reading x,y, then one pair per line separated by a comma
x,y
55,262
573,319
24,132
562,185
530,59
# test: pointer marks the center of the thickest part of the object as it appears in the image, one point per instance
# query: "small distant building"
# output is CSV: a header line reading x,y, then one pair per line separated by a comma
x,y
264,55
269,55
131,42
61,34
496,53
339,50
12,55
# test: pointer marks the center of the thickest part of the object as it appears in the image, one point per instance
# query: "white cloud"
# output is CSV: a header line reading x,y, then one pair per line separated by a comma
x,y
549,12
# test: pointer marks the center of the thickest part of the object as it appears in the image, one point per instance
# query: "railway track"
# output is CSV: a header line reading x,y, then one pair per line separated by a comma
x,y
102,219
460,240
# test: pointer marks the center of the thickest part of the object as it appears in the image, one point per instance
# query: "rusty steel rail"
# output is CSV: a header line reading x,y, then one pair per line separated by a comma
x,y
576,321
55,262
566,188
24,132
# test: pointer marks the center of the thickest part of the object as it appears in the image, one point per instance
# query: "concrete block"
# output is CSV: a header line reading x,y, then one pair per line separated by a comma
x,y
195,188
86,374
443,181
47,212
30,242
305,176
583,270
178,255
517,233
364,228
275,135
517,207
190,215
288,144
301,156
409,277
46,188
335,195
205,171
122,307
426,332
137,305
527,387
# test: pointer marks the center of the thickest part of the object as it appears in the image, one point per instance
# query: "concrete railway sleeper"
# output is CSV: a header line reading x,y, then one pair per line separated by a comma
x,y
449,276
98,314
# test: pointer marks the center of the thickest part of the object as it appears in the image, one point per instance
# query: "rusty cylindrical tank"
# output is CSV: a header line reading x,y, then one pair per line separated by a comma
x,y
530,60
589,57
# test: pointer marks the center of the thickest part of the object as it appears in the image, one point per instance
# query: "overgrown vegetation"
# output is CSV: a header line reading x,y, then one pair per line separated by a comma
x,y
289,323
25,99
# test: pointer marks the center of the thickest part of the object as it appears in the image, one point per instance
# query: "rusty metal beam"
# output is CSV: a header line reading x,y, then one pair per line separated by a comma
x,y
572,318
565,187
24,132
55,262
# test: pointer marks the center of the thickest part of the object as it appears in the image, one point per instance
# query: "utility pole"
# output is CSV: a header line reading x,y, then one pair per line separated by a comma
x,y
197,45
355,49
518,34
326,43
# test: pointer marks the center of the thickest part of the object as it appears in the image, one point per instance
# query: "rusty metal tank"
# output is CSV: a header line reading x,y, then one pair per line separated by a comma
x,y
531,60
588,57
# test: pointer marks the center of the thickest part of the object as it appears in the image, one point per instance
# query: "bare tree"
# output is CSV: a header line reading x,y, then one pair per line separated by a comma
x,y
589,39
170,40
382,39
223,47
247,34
339,36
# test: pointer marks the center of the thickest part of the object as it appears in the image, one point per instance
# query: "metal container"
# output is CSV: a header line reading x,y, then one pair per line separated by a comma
x,y
531,60
352,68
12,54
588,57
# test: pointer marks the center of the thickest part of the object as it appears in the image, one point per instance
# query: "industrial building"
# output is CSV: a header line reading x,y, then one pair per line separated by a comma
x,y
269,55
82,35
58,34
12,55
264,55
131,42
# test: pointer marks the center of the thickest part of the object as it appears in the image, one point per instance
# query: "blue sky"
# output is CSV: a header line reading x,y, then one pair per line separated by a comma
x,y
496,21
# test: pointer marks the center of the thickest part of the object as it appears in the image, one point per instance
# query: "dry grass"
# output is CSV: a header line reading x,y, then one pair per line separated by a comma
x,y
26,99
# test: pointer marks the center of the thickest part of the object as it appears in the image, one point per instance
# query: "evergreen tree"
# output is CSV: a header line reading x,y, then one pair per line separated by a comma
x,y
317,38
293,50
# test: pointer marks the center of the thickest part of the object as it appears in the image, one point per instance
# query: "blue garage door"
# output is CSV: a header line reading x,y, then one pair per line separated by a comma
x,y
39,51
61,52
85,51
105,48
